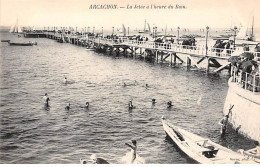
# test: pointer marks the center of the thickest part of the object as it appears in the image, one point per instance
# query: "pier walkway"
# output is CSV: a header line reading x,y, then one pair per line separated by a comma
x,y
173,52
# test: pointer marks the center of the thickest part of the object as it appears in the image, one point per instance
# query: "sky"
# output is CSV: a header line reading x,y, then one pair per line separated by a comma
x,y
197,13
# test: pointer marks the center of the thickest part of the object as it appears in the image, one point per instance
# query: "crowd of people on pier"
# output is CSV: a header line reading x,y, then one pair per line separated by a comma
x,y
245,70
221,45
189,42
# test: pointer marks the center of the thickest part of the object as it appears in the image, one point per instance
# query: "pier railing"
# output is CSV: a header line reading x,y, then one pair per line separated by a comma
x,y
173,47
248,81
160,46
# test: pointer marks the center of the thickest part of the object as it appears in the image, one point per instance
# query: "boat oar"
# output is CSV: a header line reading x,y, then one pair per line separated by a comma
x,y
230,110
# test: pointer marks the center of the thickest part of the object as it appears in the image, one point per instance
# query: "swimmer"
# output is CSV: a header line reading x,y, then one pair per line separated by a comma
x,y
67,107
153,101
146,86
130,105
65,80
133,150
124,84
87,105
46,99
169,104
135,83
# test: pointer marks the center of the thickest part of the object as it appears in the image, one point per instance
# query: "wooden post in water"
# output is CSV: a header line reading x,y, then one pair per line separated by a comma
x,y
171,58
47,32
117,51
125,51
188,61
135,53
110,50
175,57
207,69
156,54
144,54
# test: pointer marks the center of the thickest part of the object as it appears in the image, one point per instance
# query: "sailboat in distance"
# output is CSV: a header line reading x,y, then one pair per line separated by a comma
x,y
145,30
123,30
15,28
247,33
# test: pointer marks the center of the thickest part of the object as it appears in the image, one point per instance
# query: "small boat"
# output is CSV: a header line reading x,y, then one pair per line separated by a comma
x,y
145,31
5,40
22,44
203,150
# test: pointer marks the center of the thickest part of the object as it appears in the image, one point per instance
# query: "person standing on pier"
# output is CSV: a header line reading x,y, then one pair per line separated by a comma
x,y
46,100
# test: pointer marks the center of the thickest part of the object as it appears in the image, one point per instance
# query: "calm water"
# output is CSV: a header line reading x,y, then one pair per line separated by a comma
x,y
32,134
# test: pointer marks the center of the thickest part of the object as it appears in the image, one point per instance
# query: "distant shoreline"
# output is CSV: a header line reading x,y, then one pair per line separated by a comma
x,y
4,28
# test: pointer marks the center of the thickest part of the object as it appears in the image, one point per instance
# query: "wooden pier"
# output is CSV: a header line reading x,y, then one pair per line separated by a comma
x,y
159,52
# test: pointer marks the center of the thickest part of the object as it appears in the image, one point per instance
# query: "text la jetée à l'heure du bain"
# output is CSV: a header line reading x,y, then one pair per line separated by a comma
x,y
115,6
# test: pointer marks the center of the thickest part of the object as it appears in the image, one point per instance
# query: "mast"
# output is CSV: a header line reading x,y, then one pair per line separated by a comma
x,y
253,30
165,30
144,24
16,26
148,27
124,30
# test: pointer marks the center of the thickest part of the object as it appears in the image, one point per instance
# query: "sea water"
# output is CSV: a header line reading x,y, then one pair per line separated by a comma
x,y
30,133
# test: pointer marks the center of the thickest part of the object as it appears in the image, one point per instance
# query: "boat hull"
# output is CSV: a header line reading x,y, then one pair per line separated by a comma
x,y
193,146
20,44
5,40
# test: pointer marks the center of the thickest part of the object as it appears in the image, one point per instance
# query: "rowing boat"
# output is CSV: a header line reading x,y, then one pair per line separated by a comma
x,y
22,44
5,40
201,149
